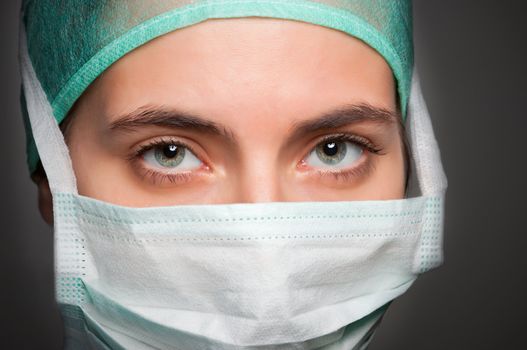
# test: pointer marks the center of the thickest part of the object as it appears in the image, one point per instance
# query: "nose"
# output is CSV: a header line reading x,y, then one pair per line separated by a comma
x,y
258,181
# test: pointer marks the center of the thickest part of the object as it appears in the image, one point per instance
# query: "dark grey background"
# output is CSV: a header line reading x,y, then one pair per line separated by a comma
x,y
472,57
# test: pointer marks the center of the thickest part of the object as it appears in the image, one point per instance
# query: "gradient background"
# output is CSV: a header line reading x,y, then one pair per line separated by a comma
x,y
472,57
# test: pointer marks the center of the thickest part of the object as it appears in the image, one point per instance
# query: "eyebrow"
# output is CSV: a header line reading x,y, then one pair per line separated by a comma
x,y
173,118
343,116
168,118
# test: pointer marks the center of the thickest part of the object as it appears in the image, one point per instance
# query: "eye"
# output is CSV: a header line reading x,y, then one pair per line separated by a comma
x,y
334,154
171,156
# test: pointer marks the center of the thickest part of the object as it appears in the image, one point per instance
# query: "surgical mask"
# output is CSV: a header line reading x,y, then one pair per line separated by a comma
x,y
283,275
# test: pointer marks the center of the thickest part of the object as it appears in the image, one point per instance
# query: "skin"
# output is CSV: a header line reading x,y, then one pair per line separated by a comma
x,y
257,79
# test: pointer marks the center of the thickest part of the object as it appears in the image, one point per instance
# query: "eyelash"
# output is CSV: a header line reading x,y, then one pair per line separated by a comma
x,y
157,176
354,172
183,177
356,139
175,178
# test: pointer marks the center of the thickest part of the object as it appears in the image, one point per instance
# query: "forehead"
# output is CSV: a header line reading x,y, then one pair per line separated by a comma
x,y
250,66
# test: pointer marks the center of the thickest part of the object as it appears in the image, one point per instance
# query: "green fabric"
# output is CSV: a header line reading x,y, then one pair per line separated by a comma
x,y
71,42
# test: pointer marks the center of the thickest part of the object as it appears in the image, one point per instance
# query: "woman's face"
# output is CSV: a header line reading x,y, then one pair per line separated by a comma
x,y
240,110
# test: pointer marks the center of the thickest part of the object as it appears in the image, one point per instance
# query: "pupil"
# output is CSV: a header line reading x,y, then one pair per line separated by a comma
x,y
170,151
330,148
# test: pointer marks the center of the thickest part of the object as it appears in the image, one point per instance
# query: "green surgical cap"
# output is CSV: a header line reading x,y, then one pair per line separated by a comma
x,y
71,42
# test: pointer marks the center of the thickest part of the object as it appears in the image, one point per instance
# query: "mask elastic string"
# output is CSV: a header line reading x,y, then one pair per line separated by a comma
x,y
49,139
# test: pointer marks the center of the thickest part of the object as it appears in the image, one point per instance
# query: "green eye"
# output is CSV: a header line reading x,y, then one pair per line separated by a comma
x,y
331,152
334,154
171,156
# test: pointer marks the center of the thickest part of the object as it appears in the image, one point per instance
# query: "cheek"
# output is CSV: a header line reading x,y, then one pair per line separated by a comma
x,y
388,179
110,177
98,174
93,168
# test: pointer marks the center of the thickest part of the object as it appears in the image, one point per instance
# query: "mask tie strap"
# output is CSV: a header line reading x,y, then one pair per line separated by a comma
x,y
425,151
430,177
48,137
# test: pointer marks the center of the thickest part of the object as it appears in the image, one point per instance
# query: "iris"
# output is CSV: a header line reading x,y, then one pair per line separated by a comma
x,y
169,155
331,152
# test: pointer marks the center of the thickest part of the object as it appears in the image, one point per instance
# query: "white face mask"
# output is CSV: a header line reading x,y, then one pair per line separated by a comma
x,y
295,275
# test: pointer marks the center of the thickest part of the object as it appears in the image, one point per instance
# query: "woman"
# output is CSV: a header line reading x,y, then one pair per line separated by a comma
x,y
230,183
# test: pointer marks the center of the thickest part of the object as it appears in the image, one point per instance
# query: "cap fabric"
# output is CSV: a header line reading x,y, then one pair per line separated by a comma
x,y
72,42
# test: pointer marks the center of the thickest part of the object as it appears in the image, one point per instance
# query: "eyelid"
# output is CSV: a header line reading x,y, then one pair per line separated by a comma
x,y
353,138
360,141
351,174
159,177
178,176
363,167
142,147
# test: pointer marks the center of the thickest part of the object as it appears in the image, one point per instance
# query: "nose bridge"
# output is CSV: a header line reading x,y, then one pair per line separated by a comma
x,y
259,179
